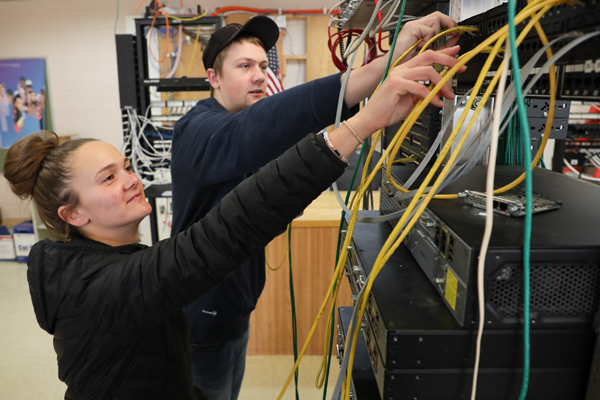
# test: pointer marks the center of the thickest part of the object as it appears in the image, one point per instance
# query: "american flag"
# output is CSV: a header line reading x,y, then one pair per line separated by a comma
x,y
273,73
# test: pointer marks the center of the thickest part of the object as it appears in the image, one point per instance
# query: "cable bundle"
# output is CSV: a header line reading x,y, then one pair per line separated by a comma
x,y
151,164
477,145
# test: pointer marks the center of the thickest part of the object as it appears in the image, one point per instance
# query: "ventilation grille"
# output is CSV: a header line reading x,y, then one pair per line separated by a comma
x,y
556,290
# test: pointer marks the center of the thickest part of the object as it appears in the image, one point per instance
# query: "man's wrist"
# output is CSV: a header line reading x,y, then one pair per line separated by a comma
x,y
359,127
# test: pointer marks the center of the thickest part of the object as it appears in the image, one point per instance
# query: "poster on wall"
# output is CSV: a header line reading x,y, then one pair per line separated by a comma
x,y
22,99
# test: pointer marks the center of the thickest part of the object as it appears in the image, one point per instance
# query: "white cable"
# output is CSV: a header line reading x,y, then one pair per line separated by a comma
x,y
584,177
143,160
595,160
489,212
332,17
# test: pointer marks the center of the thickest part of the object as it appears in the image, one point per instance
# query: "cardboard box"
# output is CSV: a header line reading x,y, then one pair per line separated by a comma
x,y
7,246
24,239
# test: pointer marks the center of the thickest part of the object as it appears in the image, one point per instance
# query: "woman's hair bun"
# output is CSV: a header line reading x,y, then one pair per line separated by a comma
x,y
25,159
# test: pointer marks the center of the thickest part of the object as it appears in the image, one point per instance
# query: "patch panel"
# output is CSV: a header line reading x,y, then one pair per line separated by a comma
x,y
355,14
583,141
578,71
421,136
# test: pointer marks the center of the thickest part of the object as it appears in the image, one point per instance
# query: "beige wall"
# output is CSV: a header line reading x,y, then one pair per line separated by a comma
x,y
76,37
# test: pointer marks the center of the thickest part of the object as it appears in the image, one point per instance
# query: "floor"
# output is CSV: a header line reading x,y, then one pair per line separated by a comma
x,y
28,362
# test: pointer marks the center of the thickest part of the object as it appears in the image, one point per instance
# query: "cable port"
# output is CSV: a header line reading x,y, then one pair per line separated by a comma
x,y
499,205
443,241
437,237
416,141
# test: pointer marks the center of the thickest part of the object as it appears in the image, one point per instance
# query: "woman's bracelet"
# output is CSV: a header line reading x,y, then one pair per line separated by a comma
x,y
332,147
360,141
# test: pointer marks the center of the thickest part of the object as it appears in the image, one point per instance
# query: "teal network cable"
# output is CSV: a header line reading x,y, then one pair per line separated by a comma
x,y
512,34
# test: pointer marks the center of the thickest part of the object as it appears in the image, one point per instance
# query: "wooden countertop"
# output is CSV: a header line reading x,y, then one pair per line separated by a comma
x,y
325,211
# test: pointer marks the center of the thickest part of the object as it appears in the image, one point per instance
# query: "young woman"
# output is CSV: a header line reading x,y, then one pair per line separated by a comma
x,y
114,306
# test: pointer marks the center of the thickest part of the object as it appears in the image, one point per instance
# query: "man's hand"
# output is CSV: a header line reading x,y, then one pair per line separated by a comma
x,y
402,90
363,81
424,28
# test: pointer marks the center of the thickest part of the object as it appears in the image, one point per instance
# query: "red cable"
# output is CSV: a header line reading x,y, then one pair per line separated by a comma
x,y
380,30
342,35
265,10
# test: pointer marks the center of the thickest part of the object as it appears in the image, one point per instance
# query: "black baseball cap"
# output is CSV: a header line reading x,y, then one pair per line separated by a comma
x,y
262,27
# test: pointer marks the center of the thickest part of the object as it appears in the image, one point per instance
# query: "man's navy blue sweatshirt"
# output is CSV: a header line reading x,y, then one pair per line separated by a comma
x,y
213,151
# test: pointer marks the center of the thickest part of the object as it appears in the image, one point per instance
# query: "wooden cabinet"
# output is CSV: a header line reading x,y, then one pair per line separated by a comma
x,y
313,244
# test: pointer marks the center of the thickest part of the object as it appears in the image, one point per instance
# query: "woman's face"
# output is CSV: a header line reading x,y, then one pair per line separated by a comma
x,y
111,196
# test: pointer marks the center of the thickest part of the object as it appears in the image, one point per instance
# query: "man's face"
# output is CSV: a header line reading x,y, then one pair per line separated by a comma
x,y
243,80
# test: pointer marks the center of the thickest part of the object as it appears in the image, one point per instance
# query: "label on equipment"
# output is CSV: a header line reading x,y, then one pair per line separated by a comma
x,y
451,289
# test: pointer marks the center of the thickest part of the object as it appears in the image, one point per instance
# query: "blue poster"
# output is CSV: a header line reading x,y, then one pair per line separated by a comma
x,y
22,99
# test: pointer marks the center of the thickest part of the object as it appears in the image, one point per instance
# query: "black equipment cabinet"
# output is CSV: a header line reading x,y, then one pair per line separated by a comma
x,y
173,84
135,81
417,350
133,67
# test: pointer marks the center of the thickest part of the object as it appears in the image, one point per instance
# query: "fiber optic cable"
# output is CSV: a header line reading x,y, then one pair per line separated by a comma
x,y
552,102
194,51
463,59
117,17
461,29
167,15
338,117
362,303
323,373
429,97
150,32
388,245
285,245
376,269
337,271
508,99
370,278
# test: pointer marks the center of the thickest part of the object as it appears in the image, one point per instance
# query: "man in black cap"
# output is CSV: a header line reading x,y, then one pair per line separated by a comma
x,y
225,138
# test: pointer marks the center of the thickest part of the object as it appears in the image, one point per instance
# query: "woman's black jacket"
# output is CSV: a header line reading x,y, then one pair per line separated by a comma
x,y
116,312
